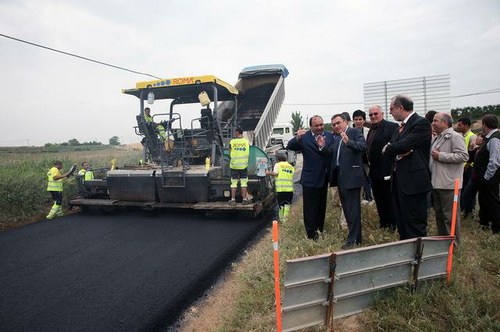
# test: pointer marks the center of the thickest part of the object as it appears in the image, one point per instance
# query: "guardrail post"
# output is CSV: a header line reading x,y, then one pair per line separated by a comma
x,y
419,250
453,225
329,297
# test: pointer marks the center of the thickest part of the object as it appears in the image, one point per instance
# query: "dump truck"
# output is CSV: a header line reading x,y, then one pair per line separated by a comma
x,y
187,165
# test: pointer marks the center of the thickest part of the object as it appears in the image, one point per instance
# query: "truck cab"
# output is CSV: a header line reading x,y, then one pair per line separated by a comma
x,y
282,133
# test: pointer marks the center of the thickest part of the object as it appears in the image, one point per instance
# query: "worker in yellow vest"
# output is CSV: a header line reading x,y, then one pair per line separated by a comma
x,y
55,188
239,150
168,141
159,127
283,172
86,173
469,189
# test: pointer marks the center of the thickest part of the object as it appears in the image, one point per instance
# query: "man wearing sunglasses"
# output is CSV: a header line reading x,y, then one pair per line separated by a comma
x,y
379,135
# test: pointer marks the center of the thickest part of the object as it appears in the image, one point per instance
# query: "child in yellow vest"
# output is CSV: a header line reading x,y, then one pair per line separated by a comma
x,y
283,172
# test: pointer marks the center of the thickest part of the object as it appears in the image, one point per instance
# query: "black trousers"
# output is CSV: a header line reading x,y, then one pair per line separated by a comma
x,y
284,198
468,192
314,209
410,212
351,205
57,197
489,203
382,194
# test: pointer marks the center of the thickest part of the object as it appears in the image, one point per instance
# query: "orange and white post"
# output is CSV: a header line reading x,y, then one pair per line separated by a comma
x,y
277,276
453,225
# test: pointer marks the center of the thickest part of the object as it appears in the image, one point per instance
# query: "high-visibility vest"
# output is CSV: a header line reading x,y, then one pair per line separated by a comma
x,y
467,138
87,175
149,119
54,185
240,150
284,180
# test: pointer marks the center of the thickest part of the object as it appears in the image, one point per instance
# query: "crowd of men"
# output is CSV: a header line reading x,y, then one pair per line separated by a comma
x,y
409,167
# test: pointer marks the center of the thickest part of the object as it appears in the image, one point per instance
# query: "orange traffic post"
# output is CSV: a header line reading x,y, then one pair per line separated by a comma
x,y
277,275
453,225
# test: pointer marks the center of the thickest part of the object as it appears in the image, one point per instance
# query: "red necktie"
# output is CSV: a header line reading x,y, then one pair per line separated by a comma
x,y
401,126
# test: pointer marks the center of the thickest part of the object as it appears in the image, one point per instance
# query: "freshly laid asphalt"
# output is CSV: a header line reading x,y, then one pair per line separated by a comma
x,y
117,272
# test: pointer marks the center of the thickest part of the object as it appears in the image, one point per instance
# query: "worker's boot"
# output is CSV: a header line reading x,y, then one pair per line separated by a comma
x,y
281,213
59,212
286,212
52,212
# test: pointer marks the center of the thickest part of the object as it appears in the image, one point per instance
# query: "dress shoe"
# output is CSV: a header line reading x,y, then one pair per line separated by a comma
x,y
348,246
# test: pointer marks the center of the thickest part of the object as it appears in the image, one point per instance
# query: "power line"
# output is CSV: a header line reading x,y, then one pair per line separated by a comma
x,y
79,56
322,104
496,90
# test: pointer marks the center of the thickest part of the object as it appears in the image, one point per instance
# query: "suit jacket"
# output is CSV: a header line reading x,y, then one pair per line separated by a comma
x,y
411,171
316,163
380,165
350,173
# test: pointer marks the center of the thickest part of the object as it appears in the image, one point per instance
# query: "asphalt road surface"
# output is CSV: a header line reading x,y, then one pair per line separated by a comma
x,y
119,272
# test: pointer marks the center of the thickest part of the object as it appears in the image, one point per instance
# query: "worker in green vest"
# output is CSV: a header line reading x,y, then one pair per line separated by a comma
x,y
159,127
86,173
469,189
55,188
162,132
283,172
239,150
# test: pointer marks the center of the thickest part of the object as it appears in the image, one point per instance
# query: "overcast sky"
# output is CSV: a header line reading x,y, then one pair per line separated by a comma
x,y
331,48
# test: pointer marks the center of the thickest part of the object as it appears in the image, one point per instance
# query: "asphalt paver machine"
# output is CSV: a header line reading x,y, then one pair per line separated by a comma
x,y
185,158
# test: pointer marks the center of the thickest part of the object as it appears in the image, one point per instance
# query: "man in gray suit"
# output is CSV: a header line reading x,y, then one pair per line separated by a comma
x,y
347,173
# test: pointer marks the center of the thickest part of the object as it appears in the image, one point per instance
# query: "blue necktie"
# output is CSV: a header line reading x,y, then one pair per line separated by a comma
x,y
338,152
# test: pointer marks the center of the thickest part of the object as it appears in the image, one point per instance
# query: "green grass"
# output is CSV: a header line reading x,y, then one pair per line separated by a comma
x,y
23,180
470,303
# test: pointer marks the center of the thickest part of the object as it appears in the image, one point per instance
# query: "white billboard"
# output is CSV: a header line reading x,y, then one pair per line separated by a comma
x,y
428,93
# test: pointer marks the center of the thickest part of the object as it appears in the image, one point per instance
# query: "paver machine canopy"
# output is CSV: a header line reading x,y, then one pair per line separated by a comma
x,y
165,140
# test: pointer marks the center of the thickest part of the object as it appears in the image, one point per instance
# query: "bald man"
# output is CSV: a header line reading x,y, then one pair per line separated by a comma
x,y
448,155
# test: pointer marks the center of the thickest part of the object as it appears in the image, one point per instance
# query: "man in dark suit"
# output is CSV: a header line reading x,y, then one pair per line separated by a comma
x,y
315,173
348,174
409,149
379,135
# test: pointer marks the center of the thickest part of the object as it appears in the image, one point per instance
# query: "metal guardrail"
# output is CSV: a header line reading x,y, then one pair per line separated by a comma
x,y
264,127
321,288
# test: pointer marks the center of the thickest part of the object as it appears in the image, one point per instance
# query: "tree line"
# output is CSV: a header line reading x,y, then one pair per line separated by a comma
x,y
475,113
115,140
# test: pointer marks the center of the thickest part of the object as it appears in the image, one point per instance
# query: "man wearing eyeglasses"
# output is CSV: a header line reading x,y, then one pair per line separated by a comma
x,y
409,150
379,135
347,174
